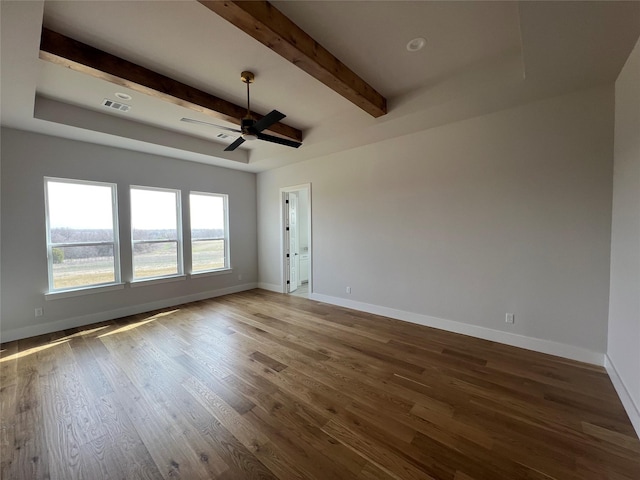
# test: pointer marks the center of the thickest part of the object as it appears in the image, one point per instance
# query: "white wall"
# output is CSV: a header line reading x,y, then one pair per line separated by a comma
x,y
28,157
508,212
624,305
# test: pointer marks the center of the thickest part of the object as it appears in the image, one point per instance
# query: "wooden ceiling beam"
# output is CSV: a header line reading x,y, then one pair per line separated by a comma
x,y
70,53
268,25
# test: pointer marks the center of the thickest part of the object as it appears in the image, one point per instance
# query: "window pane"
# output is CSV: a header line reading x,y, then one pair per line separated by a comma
x,y
75,267
153,215
155,259
207,255
79,212
207,216
208,221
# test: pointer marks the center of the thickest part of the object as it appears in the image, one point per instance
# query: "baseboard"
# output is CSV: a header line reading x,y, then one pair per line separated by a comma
x,y
536,344
272,287
43,328
629,404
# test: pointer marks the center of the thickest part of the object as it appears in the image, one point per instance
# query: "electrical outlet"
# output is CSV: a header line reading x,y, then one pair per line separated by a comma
x,y
510,318
348,289
39,312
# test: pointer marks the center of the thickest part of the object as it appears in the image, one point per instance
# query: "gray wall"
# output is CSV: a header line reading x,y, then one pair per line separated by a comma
x,y
508,212
28,157
624,307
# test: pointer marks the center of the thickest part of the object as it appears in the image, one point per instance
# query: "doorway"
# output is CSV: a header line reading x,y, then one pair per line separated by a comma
x,y
296,240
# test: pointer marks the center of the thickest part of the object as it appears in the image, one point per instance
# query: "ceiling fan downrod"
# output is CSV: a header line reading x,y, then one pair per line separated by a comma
x,y
248,78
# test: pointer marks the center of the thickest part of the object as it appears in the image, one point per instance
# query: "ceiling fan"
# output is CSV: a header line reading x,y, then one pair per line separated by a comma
x,y
250,129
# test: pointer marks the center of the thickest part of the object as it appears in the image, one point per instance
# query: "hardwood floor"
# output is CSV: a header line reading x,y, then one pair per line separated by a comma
x,y
261,385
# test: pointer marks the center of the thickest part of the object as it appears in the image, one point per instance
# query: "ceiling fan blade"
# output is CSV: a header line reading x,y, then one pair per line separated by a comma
x,y
239,141
281,141
200,122
269,119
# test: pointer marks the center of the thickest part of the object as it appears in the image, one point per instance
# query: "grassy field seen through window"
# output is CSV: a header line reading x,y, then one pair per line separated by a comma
x,y
160,261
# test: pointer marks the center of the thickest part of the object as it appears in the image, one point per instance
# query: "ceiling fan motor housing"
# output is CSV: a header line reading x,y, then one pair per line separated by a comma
x,y
247,125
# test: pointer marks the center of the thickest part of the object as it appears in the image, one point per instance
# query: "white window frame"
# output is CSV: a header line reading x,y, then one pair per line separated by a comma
x,y
115,243
225,238
178,241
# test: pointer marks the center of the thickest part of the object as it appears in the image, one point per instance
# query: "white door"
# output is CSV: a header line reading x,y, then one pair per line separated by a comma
x,y
296,205
294,257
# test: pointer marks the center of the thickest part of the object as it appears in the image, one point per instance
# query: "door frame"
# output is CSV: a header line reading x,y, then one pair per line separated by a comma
x,y
283,246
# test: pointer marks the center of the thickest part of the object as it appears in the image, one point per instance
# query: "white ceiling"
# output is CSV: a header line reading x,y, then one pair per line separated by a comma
x,y
480,57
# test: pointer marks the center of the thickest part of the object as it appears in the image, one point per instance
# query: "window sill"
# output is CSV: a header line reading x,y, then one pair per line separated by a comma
x,y
83,291
143,282
211,273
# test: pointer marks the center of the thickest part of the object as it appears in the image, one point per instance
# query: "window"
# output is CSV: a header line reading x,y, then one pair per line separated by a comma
x,y
209,232
155,232
82,234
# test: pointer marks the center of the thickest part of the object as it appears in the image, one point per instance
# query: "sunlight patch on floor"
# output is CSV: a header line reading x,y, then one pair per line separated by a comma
x,y
126,328
15,356
84,333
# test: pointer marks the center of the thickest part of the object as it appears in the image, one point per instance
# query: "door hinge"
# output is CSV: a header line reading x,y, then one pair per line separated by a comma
x,y
287,229
287,255
286,201
288,282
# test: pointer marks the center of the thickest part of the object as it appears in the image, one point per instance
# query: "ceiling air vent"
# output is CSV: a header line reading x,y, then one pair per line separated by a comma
x,y
116,105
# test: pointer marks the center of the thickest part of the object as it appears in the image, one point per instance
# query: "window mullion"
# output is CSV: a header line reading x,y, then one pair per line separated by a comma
x,y
135,242
211,239
80,244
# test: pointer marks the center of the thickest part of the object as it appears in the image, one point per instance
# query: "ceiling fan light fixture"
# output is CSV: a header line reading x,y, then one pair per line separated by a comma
x,y
416,44
249,137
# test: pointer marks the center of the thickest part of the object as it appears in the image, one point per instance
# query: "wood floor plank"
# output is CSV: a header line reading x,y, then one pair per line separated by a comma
x,y
30,451
288,438
253,440
162,389
8,403
221,447
100,459
166,444
372,472
7,427
91,373
289,414
607,435
237,401
8,364
251,326
130,450
260,385
383,458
